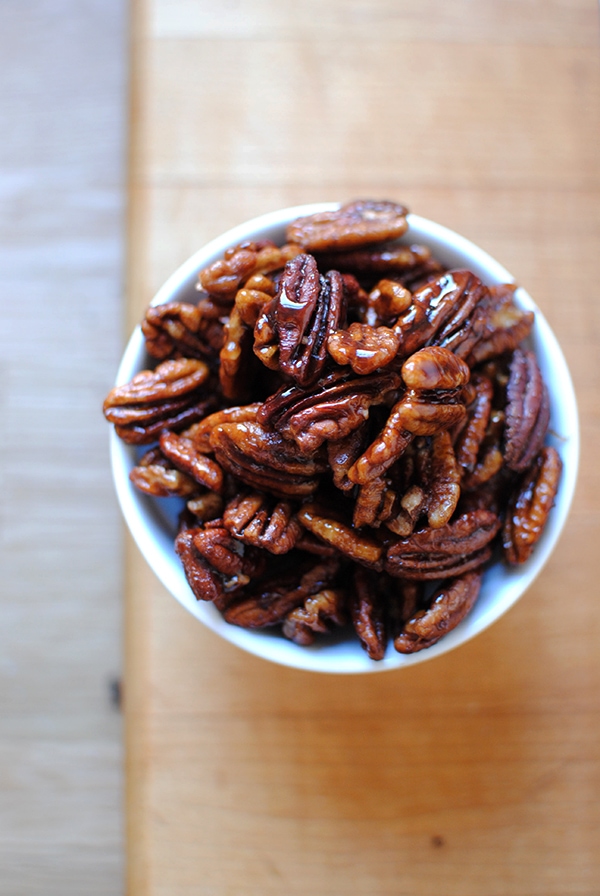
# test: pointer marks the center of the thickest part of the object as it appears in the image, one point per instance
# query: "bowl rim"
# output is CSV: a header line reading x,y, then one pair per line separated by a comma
x,y
139,511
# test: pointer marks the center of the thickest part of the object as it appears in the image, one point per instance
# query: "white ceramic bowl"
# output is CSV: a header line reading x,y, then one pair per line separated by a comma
x,y
152,521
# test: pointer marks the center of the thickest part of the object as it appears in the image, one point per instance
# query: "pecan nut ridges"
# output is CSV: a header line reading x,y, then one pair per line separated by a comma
x,y
265,460
505,325
333,531
363,347
155,475
292,331
367,611
451,550
169,397
355,224
222,279
527,412
449,606
449,311
179,329
317,615
255,519
530,506
183,454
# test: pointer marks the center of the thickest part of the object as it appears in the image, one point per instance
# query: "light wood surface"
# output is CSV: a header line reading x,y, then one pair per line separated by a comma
x,y
63,118
477,773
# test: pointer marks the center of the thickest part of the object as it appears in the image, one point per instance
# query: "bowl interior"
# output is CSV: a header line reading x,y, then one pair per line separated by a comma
x,y
152,522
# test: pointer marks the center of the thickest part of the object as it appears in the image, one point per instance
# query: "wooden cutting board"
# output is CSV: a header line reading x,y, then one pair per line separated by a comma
x,y
477,773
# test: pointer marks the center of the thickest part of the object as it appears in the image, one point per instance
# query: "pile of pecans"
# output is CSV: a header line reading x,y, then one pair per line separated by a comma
x,y
354,431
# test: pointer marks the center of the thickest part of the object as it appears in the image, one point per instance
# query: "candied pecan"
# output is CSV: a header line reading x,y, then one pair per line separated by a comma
x,y
259,457
291,332
530,506
256,519
317,614
338,404
222,279
179,329
433,401
405,599
169,397
363,347
367,611
449,606
450,550
374,503
527,412
332,530
390,258
205,582
359,223
154,475
273,599
505,325
449,311
386,302
471,436
200,432
183,454
441,477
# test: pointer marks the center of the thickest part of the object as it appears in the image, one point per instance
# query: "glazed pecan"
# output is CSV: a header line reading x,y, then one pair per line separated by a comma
x,y
472,434
169,397
367,611
390,258
375,503
343,453
363,347
200,432
338,404
256,519
182,453
434,401
264,460
527,412
450,550
205,507
490,459
449,311
505,325
530,505
355,224
272,600
385,303
449,606
154,475
222,279
317,615
331,529
179,329
292,331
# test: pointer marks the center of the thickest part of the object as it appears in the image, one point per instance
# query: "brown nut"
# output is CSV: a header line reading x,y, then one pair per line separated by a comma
x,y
183,454
155,475
390,258
179,329
256,519
367,611
527,412
363,347
222,279
333,531
530,506
505,325
455,548
449,606
355,224
319,612
200,432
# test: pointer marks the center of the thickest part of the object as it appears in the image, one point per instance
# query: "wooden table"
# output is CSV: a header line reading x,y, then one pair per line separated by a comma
x,y
477,773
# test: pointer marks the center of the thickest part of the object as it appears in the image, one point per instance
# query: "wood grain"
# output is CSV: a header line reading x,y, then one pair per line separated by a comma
x,y
477,773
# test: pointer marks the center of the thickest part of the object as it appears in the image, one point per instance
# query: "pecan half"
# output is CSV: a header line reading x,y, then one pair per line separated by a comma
x,y
471,436
367,611
265,460
272,600
363,347
155,476
359,223
292,331
169,397
256,519
319,612
222,279
505,325
390,258
530,506
179,329
337,405
327,526
449,606
527,412
343,453
448,551
183,454
200,432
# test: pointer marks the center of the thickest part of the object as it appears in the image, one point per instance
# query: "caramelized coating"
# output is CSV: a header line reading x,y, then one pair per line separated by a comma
x,y
256,519
183,330
367,611
530,506
449,606
317,615
355,224
363,347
